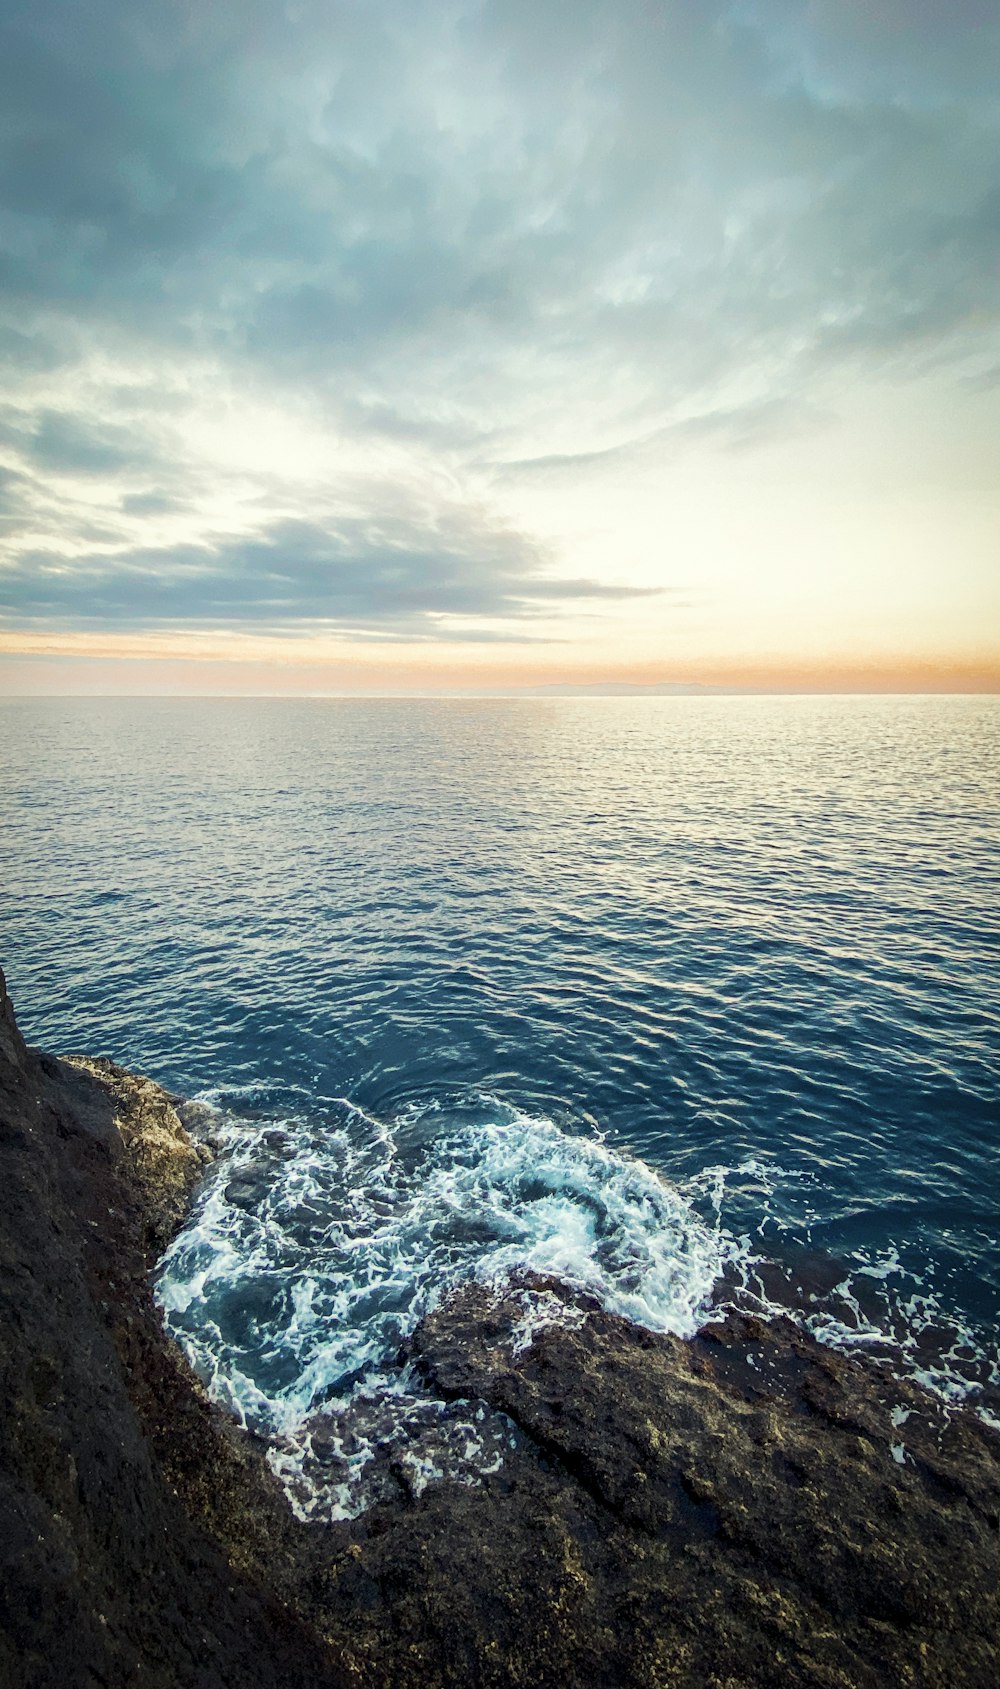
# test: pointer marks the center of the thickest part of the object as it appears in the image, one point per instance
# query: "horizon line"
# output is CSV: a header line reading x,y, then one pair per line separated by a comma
x,y
540,694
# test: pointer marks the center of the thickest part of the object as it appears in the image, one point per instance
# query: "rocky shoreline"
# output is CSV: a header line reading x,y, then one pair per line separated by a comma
x,y
743,1510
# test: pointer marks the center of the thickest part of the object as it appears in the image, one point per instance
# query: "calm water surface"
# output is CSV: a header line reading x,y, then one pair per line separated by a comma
x,y
647,990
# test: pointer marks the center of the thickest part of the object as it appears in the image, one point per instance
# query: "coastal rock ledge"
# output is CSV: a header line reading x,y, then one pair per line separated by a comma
x,y
743,1510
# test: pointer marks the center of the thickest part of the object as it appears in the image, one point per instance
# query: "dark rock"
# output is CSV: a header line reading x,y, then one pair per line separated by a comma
x,y
13,1052
107,1577
246,1190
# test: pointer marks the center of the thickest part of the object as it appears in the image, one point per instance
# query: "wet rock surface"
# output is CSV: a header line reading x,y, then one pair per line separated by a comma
x,y
106,1576
749,1480
744,1509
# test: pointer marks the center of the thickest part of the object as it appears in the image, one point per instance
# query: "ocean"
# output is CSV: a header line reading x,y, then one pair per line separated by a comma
x,y
691,1001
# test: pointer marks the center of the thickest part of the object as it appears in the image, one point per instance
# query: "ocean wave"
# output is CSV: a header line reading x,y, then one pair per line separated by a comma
x,y
320,1239
324,1233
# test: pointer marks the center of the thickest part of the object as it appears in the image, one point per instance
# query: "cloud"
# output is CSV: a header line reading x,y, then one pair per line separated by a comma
x,y
319,193
732,428
62,443
150,504
360,575
470,234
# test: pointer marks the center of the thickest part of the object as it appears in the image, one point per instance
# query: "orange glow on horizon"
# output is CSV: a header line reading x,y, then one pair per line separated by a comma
x,y
236,663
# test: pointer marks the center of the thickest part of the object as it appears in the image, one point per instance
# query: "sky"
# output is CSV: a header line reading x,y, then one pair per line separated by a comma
x,y
368,346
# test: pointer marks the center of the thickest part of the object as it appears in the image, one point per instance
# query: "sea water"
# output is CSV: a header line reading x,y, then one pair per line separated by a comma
x,y
681,1000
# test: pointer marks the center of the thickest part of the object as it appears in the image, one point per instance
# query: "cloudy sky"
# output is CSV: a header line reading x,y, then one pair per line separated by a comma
x,y
383,345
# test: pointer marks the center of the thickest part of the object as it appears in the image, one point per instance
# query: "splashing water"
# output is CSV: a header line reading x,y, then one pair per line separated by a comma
x,y
320,1240
323,1234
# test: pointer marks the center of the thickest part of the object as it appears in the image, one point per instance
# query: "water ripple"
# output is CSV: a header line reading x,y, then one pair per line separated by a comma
x,y
711,931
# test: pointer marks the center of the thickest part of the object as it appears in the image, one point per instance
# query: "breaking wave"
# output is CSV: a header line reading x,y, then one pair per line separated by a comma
x,y
323,1234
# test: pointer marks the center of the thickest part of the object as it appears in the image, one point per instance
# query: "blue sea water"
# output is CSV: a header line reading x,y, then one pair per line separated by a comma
x,y
656,993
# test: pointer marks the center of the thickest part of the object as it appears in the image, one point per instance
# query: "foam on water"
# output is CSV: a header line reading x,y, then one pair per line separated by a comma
x,y
321,1238
868,1302
323,1234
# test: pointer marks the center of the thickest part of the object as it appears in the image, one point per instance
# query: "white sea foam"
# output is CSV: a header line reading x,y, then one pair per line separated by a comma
x,y
321,1237
317,1244
886,1310
540,1311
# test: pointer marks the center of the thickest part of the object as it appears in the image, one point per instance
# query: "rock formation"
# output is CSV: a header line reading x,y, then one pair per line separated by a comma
x,y
744,1510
